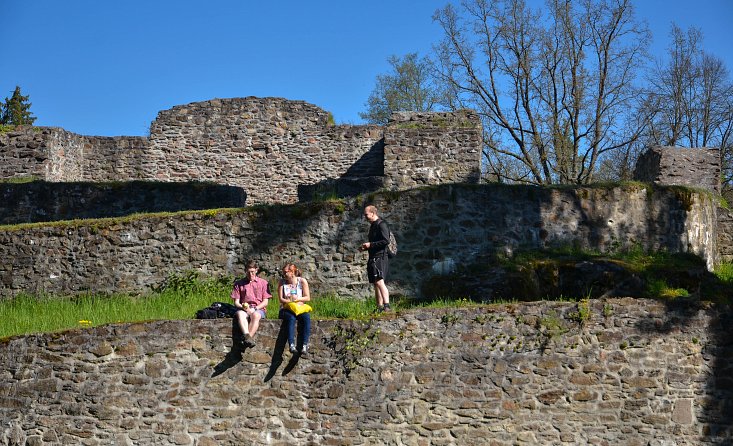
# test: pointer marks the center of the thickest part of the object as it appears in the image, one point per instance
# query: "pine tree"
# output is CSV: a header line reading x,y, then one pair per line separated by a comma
x,y
16,110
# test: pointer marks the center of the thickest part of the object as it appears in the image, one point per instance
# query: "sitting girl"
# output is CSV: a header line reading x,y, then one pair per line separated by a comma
x,y
294,288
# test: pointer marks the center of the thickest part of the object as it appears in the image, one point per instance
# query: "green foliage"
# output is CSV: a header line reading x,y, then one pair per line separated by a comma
x,y
449,319
659,288
191,282
408,87
551,325
607,310
16,110
724,272
20,180
583,313
350,342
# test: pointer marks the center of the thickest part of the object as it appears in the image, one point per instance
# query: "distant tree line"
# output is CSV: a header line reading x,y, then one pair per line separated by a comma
x,y
16,110
567,94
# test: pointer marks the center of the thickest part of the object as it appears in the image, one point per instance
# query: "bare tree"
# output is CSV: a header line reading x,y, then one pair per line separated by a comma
x,y
554,98
408,87
691,99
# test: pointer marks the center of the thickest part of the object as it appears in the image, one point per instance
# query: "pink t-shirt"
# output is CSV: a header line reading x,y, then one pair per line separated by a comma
x,y
253,292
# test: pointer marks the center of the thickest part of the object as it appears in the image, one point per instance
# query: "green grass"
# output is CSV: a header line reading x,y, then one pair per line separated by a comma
x,y
182,295
18,180
179,298
724,272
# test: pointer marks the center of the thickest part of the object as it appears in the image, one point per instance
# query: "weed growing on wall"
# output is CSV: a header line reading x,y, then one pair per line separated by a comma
x,y
583,313
350,343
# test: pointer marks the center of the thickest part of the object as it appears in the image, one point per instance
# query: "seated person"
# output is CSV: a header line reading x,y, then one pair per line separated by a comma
x,y
250,296
294,288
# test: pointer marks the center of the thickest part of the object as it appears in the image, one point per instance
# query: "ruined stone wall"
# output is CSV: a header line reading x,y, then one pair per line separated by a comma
x,y
53,154
697,167
278,150
268,146
434,226
432,148
635,373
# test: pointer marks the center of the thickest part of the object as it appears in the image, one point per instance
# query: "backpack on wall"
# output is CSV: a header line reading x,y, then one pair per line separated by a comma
x,y
217,310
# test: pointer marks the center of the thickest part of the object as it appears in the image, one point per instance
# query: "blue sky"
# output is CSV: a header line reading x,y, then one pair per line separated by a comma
x,y
100,67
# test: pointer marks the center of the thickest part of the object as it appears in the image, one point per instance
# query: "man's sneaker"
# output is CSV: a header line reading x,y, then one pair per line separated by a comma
x,y
304,350
293,350
239,340
387,307
248,341
380,309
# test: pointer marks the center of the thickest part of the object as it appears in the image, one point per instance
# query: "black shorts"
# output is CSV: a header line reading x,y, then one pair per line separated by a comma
x,y
377,269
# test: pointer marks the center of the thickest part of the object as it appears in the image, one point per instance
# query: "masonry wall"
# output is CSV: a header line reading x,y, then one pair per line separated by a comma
x,y
268,146
456,223
725,234
697,167
278,150
53,154
636,373
431,148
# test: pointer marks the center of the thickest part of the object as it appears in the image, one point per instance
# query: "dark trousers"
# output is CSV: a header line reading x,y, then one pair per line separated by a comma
x,y
304,326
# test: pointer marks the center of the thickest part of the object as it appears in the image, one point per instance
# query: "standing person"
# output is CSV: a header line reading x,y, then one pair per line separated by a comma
x,y
250,296
294,288
378,263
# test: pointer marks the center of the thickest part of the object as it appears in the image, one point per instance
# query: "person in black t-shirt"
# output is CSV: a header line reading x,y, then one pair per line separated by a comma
x,y
378,264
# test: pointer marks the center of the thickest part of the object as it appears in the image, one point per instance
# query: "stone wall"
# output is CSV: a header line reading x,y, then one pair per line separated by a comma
x,y
635,373
725,234
430,148
53,154
434,226
698,167
276,149
268,146
41,201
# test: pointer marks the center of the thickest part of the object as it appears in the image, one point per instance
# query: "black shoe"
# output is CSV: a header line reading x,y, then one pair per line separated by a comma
x,y
239,341
380,309
293,350
387,307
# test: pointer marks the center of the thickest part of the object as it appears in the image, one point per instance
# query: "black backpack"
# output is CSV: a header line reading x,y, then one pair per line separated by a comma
x,y
217,310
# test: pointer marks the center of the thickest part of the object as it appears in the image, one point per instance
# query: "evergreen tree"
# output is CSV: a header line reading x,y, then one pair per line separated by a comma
x,y
16,110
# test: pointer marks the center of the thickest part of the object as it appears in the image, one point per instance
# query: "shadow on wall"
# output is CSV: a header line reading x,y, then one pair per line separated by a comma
x,y
454,240
41,201
718,411
441,229
364,176
343,187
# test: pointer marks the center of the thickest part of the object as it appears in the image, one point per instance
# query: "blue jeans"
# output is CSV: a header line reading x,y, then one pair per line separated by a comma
x,y
304,326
